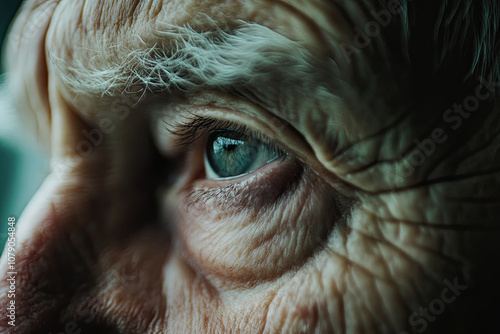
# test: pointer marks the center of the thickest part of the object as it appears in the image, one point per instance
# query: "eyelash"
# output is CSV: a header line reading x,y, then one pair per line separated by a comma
x,y
188,135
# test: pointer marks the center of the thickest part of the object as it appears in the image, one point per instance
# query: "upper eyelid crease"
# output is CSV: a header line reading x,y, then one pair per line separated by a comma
x,y
188,134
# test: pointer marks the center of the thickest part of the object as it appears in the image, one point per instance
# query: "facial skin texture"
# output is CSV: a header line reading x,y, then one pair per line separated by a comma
x,y
341,237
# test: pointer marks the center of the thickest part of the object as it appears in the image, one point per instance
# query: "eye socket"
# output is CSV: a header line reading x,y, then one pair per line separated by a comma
x,y
230,154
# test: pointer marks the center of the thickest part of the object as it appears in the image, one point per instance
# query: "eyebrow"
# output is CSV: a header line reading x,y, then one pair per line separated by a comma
x,y
250,57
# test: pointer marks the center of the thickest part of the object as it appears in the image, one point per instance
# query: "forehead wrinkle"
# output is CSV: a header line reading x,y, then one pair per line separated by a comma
x,y
102,15
318,16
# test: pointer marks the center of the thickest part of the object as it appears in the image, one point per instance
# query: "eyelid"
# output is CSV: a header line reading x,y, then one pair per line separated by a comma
x,y
189,134
175,123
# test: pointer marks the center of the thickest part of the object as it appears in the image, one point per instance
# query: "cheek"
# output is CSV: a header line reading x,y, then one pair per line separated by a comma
x,y
279,227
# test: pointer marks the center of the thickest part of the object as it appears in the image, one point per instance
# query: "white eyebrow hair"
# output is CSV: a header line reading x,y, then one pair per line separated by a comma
x,y
190,60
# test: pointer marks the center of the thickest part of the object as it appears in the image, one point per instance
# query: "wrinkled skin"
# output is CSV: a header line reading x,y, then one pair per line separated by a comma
x,y
331,241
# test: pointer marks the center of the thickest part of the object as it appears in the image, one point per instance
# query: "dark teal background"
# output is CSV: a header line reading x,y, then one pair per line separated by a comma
x,y
7,10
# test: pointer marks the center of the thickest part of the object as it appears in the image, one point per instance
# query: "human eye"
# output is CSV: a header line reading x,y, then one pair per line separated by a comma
x,y
232,154
230,150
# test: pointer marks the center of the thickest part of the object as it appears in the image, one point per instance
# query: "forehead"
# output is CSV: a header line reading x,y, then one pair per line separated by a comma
x,y
86,28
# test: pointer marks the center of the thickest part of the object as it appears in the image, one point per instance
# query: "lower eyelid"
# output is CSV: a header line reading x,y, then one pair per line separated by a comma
x,y
257,229
259,188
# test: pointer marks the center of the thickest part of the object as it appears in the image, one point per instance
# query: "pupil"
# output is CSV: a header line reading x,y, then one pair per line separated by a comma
x,y
230,147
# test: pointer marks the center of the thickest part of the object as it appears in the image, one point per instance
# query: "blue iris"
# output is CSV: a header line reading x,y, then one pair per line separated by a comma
x,y
232,153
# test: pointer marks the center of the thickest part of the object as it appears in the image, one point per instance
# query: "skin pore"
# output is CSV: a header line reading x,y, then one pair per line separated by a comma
x,y
128,235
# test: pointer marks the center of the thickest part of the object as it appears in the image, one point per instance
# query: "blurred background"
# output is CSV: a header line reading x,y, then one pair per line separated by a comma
x,y
22,165
8,8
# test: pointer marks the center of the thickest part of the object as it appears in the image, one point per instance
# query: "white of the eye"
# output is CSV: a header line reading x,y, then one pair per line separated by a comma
x,y
210,173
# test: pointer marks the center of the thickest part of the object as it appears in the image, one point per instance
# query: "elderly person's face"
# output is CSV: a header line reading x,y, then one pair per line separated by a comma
x,y
256,166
